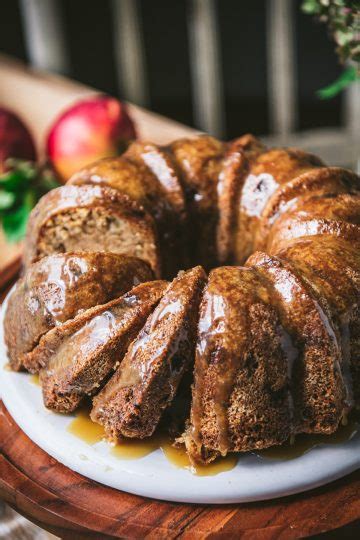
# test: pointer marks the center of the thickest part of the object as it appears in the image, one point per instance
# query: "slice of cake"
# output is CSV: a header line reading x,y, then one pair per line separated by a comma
x,y
91,218
146,174
320,392
79,356
200,161
132,402
331,267
57,288
242,396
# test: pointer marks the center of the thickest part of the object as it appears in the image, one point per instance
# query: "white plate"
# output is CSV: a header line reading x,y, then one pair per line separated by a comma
x,y
154,476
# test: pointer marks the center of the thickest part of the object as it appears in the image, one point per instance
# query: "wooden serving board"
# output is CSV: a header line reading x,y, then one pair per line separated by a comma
x,y
71,506
10,259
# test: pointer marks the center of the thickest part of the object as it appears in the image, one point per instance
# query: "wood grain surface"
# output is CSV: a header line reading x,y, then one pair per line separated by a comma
x,y
72,506
10,259
40,97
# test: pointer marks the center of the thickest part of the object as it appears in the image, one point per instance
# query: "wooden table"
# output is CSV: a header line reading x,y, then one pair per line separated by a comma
x,y
72,506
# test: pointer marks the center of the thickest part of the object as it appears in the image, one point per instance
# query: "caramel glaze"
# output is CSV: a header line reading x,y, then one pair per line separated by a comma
x,y
79,356
35,379
91,433
304,443
57,288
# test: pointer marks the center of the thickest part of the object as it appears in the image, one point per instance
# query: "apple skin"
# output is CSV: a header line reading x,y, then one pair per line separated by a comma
x,y
15,139
92,128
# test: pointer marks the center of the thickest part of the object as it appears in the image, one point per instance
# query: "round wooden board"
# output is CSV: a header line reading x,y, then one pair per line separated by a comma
x,y
72,506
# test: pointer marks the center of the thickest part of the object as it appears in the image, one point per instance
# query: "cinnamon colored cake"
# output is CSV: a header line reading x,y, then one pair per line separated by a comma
x,y
268,341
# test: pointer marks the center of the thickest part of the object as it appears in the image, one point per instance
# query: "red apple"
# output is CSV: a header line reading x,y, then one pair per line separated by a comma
x,y
93,128
15,139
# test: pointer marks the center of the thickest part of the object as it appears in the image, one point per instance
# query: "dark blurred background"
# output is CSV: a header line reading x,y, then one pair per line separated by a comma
x,y
243,37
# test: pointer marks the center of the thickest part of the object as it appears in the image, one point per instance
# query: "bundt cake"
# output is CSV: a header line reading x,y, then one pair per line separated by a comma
x,y
271,348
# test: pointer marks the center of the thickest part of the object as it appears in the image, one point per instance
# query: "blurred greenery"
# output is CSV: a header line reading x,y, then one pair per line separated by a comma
x,y
21,186
342,18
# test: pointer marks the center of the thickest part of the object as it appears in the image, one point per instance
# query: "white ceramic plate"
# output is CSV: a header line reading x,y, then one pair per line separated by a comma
x,y
252,479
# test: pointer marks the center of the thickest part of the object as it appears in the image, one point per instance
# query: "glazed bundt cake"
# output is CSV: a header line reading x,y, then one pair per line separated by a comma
x,y
271,348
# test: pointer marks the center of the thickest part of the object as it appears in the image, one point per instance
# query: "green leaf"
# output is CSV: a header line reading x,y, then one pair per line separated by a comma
x,y
343,36
20,187
346,78
6,200
19,176
13,181
14,223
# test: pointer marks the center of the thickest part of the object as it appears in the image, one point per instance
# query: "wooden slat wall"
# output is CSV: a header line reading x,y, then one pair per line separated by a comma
x,y
352,121
47,49
44,35
129,51
205,64
281,61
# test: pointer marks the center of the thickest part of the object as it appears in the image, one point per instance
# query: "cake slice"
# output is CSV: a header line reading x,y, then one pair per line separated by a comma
x,y
78,357
57,288
311,189
161,164
330,267
91,218
238,156
291,227
320,391
173,220
242,392
132,402
230,182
